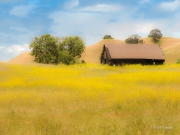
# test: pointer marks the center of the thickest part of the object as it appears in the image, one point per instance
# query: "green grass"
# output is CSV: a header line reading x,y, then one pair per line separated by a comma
x,y
89,100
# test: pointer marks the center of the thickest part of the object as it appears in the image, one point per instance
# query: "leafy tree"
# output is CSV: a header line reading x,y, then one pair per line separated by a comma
x,y
108,37
65,58
74,46
134,39
45,49
51,50
156,35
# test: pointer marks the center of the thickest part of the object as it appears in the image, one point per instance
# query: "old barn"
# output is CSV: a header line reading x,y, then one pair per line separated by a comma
x,y
119,54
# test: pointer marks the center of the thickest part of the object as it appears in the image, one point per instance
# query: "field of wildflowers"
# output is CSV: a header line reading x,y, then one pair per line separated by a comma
x,y
89,99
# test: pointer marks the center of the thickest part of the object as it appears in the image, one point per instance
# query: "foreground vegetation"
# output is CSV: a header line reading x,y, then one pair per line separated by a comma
x,y
89,99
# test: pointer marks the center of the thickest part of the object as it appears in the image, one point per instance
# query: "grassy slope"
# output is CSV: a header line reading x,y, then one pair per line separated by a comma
x,y
24,58
92,53
89,100
172,53
170,47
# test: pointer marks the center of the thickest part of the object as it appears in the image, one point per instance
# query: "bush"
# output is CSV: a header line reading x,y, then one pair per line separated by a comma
x,y
134,39
83,61
178,61
108,37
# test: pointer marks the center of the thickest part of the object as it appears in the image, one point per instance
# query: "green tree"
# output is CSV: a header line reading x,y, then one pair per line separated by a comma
x,y
65,58
134,39
51,50
156,35
45,49
74,46
107,37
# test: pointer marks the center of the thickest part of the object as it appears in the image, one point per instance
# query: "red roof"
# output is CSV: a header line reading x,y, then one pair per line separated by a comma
x,y
135,51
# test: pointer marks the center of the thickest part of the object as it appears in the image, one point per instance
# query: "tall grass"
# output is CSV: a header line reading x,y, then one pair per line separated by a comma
x,y
89,99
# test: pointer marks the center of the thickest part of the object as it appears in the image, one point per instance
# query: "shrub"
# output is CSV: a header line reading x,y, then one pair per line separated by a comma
x,y
134,39
108,37
178,61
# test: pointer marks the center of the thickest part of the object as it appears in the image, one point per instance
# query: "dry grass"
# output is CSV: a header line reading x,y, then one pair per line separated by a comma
x,y
89,99
24,58
92,53
170,48
172,53
165,41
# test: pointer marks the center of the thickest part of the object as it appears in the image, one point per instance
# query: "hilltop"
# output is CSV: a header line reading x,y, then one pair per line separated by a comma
x,y
92,53
170,47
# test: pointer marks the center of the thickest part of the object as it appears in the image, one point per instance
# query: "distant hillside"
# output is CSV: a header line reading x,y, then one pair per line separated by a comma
x,y
165,42
172,53
170,48
24,58
92,52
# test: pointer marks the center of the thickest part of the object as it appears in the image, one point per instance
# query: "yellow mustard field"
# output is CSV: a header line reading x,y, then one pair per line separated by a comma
x,y
87,99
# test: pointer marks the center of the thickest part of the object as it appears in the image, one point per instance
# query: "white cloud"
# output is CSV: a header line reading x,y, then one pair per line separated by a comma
x,y
144,27
2,47
71,4
176,34
17,48
170,5
81,24
102,8
21,10
9,52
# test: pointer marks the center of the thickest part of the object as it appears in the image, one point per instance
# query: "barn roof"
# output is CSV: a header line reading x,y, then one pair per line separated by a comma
x,y
135,51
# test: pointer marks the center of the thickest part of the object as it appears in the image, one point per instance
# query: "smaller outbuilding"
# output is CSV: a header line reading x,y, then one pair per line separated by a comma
x,y
119,54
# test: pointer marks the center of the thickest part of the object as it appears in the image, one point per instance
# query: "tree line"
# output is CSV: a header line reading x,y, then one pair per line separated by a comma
x,y
154,34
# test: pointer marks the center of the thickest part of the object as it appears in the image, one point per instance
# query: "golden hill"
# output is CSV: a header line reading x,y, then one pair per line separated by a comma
x,y
165,41
172,53
24,58
168,45
170,48
92,53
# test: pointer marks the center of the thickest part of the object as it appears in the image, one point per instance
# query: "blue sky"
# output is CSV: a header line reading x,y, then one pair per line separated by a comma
x,y
22,20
